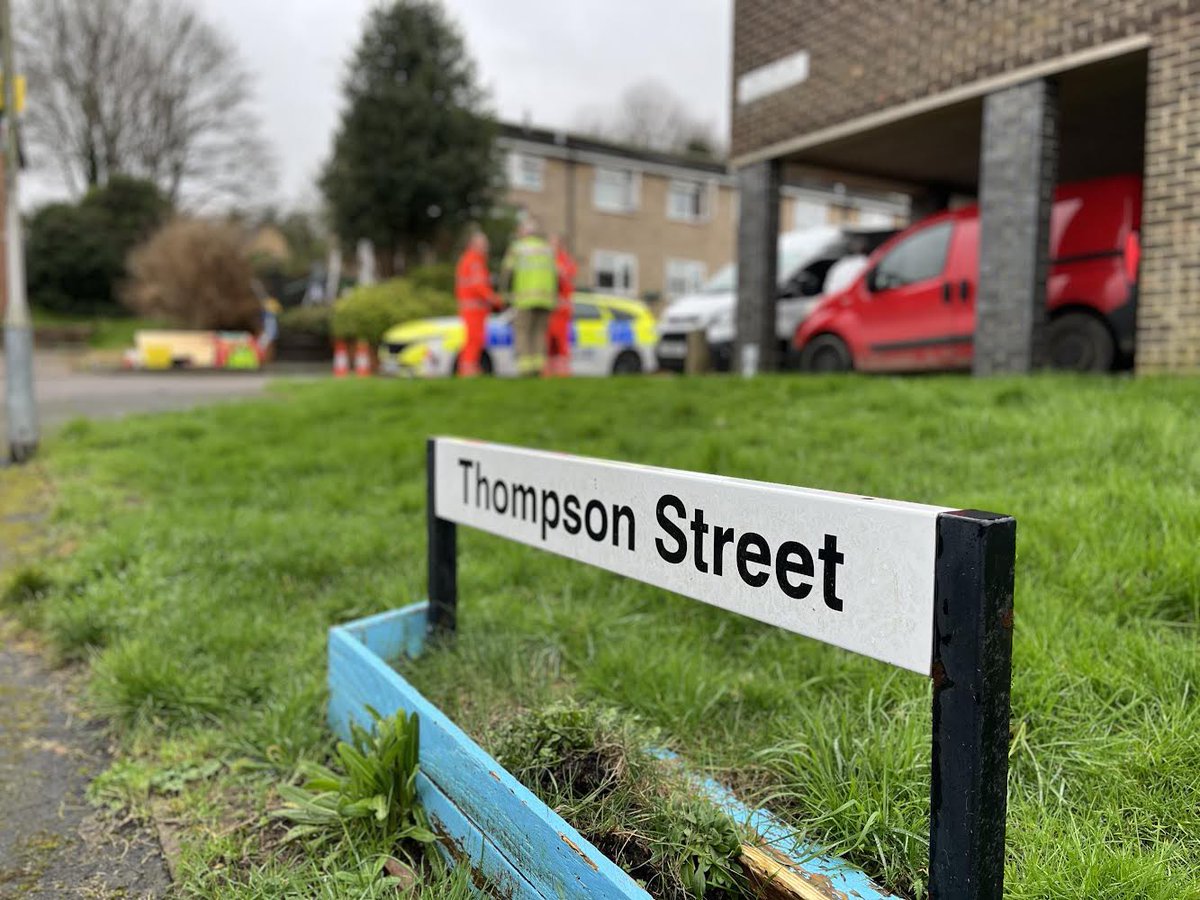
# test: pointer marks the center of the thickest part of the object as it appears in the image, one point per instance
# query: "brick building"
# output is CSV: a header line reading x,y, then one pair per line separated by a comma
x,y
998,99
655,225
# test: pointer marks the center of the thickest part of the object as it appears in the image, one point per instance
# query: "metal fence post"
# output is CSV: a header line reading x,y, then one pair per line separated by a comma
x,y
972,663
442,553
20,403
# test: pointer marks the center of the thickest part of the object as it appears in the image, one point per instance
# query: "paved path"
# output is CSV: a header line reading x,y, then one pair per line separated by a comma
x,y
64,393
53,843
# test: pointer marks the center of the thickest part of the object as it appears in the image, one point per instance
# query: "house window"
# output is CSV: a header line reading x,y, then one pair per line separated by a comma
x,y
526,172
614,272
684,276
809,213
615,190
687,201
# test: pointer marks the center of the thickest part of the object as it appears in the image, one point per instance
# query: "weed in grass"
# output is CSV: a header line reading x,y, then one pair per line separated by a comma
x,y
27,585
343,876
567,748
593,767
138,684
374,803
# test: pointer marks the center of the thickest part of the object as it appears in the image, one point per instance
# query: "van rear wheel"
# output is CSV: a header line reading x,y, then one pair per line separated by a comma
x,y
826,353
1080,343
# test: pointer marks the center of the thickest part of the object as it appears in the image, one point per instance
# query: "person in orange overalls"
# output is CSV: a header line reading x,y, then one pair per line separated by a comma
x,y
476,299
558,334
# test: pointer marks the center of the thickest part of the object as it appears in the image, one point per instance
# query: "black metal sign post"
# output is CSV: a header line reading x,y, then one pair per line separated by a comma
x,y
442,549
971,667
972,672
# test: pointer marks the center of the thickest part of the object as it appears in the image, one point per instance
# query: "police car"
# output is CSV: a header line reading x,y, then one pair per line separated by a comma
x,y
609,336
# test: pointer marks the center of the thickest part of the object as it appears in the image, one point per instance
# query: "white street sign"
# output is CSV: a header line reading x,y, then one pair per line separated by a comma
x,y
775,76
856,572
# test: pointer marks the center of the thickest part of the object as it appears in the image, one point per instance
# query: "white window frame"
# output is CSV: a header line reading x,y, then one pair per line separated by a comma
x,y
615,258
706,200
516,161
699,265
635,189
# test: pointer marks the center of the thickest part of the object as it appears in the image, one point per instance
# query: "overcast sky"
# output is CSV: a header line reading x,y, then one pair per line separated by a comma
x,y
547,61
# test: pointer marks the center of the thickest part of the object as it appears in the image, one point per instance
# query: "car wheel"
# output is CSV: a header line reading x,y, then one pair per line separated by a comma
x,y
826,353
1080,343
627,363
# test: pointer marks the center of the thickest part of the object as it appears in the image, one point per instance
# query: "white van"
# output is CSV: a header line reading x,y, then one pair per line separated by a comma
x,y
805,259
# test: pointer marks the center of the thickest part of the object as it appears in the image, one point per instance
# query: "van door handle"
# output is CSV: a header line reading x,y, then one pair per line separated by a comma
x,y
945,292
964,289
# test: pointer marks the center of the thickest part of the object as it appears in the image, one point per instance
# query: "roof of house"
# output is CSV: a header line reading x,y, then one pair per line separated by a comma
x,y
563,143
566,141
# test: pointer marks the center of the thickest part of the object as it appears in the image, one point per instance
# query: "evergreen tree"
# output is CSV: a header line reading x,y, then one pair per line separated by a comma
x,y
412,160
76,252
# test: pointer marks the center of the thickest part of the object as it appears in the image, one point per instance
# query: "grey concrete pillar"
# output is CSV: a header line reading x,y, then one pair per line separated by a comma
x,y
1018,171
758,265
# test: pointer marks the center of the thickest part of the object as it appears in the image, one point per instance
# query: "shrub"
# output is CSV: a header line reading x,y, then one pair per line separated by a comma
x,y
316,321
194,272
366,312
76,252
434,277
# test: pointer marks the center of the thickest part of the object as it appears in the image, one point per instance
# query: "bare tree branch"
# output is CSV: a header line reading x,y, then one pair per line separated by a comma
x,y
652,117
144,88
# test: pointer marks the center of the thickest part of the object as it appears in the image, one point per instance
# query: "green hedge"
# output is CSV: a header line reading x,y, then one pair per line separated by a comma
x,y
434,277
365,313
311,320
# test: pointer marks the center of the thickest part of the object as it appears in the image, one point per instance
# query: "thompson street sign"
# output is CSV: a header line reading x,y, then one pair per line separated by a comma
x,y
851,571
925,588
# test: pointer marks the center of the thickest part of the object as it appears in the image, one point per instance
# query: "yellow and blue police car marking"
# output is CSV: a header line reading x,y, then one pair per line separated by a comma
x,y
618,334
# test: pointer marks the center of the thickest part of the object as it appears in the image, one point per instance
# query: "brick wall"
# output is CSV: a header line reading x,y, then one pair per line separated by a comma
x,y
866,57
1169,311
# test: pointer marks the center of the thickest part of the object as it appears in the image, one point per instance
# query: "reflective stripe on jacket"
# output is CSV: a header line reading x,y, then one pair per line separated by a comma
x,y
534,275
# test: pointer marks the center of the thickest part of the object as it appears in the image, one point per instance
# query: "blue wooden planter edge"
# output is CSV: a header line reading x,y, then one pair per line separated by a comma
x,y
491,821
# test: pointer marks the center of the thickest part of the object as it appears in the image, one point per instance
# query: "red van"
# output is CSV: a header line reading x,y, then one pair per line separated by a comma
x,y
913,307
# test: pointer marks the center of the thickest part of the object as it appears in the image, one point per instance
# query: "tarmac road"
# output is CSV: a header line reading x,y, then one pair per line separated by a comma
x,y
64,393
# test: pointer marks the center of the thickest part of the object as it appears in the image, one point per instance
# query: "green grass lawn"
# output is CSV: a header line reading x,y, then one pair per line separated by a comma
x,y
209,551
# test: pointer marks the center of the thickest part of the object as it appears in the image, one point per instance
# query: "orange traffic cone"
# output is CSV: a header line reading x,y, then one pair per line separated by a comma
x,y
362,359
341,360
